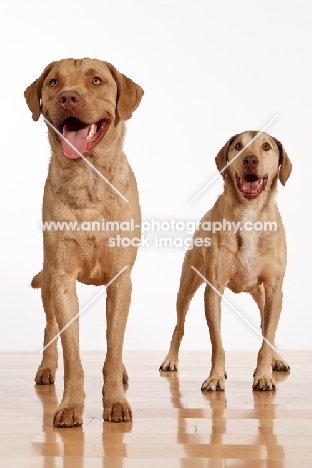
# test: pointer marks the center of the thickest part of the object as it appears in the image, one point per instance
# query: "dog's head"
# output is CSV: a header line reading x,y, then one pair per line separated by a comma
x,y
82,99
253,161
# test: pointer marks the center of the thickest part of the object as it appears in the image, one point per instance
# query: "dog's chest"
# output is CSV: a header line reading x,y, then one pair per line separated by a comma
x,y
247,267
251,249
247,253
251,242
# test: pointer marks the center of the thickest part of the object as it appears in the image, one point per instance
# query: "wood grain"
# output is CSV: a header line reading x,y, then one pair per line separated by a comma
x,y
175,425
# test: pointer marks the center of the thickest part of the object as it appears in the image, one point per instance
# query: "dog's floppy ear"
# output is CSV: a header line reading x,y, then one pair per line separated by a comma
x,y
221,158
129,94
33,92
285,165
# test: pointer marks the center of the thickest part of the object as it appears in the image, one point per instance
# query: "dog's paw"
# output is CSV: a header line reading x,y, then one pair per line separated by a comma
x,y
45,376
68,416
263,382
118,411
214,383
280,365
169,365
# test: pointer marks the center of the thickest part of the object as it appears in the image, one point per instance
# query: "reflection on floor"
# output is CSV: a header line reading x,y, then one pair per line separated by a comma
x,y
175,425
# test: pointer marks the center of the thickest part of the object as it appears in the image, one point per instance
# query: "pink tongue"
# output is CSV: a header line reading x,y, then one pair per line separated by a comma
x,y
78,139
250,187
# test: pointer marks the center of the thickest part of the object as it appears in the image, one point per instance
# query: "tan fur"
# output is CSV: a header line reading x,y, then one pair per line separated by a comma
x,y
250,261
36,281
75,192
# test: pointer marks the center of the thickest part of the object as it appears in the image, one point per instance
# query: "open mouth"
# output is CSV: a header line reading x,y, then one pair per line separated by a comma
x,y
80,137
251,185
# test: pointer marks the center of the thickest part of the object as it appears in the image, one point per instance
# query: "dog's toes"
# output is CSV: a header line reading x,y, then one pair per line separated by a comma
x,y
263,383
213,384
45,376
280,365
68,416
117,412
169,365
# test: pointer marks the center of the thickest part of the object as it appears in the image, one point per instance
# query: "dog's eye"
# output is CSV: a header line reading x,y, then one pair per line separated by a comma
x,y
53,82
266,146
97,81
238,146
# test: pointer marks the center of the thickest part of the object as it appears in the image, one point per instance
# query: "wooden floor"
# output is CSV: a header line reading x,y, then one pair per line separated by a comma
x,y
175,424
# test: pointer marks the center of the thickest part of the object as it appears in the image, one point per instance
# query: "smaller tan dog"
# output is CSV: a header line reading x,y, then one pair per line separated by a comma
x,y
240,258
87,101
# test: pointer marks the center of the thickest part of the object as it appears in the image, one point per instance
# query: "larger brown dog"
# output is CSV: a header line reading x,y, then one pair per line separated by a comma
x,y
87,101
249,260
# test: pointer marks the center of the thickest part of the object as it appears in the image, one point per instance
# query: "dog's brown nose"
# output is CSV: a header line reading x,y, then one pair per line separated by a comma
x,y
69,100
250,162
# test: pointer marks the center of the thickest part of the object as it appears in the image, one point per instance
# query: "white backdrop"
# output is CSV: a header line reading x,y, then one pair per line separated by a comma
x,y
209,70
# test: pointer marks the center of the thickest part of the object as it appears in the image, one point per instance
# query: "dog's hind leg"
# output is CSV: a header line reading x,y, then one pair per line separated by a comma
x,y
278,363
47,369
189,283
125,377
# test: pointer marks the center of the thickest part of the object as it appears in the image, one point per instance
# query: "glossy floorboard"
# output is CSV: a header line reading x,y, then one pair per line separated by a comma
x,y
175,425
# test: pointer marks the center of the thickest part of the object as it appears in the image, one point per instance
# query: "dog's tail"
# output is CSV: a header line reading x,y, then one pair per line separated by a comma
x,y
36,281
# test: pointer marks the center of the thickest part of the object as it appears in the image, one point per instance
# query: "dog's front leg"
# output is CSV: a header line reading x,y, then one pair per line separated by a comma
x,y
65,303
278,362
116,407
273,304
216,379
